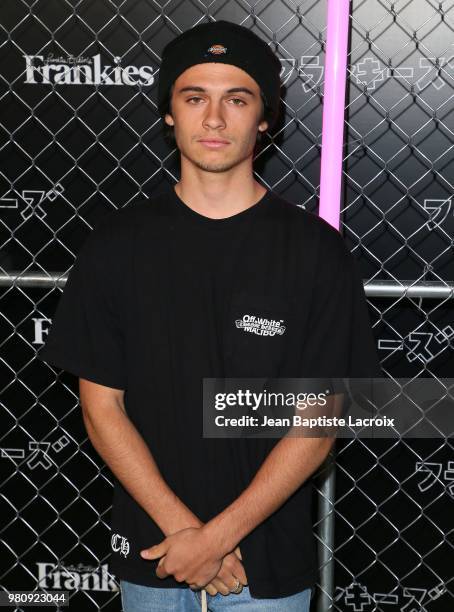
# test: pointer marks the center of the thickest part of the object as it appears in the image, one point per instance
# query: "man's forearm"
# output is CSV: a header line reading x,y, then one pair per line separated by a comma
x,y
123,449
287,466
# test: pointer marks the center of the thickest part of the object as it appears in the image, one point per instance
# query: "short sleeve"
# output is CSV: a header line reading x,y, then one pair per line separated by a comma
x,y
86,337
340,342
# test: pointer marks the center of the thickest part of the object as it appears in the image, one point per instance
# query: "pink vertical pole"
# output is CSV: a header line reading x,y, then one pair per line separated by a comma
x,y
333,111
329,209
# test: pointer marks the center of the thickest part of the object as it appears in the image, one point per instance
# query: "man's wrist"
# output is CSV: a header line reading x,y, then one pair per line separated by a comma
x,y
185,523
224,537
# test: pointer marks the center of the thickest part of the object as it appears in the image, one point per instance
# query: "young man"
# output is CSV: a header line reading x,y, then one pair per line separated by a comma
x,y
149,310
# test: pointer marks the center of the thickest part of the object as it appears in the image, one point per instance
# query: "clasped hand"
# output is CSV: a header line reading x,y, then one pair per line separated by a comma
x,y
191,556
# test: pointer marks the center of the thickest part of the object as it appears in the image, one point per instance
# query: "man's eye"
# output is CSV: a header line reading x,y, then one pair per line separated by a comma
x,y
237,101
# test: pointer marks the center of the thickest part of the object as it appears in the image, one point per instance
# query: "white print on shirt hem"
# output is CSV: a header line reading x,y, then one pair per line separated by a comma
x,y
260,326
120,544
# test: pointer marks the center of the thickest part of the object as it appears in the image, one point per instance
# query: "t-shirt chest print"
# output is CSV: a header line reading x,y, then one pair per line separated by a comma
x,y
261,326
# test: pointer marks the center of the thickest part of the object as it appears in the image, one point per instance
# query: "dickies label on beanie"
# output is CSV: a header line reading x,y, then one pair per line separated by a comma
x,y
217,49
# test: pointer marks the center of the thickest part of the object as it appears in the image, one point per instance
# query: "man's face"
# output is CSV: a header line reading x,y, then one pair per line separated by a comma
x,y
216,110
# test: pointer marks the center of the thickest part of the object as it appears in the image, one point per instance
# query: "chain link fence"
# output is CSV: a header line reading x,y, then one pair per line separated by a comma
x,y
80,136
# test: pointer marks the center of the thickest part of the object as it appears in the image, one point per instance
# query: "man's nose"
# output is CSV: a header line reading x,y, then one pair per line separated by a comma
x,y
214,117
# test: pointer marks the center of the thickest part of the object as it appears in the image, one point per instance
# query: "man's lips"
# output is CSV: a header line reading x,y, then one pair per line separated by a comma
x,y
213,143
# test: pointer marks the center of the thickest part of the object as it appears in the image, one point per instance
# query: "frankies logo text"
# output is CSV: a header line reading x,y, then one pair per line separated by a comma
x,y
83,71
260,326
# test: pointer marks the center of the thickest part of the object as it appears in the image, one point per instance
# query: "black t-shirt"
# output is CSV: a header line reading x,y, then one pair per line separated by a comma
x,y
150,307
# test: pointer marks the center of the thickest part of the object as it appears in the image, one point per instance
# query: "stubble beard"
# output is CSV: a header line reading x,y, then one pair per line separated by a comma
x,y
216,167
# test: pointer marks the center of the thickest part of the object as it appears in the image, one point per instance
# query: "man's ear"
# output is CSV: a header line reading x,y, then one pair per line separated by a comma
x,y
263,126
169,119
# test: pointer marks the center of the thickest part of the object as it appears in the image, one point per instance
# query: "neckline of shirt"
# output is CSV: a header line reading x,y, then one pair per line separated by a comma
x,y
226,222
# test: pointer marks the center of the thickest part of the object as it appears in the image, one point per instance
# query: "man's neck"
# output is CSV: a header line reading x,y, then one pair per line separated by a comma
x,y
219,196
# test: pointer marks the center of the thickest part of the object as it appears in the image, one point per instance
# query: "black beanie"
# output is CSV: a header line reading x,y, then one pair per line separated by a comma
x,y
228,43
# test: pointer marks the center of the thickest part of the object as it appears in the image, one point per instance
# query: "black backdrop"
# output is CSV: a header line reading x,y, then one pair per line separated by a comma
x,y
80,136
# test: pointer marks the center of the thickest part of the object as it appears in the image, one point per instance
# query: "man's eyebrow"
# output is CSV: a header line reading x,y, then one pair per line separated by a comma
x,y
229,91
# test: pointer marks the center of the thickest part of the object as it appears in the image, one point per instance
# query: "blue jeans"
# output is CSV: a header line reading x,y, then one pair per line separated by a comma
x,y
139,598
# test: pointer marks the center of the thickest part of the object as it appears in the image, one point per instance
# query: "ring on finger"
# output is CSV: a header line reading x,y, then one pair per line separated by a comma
x,y
237,588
